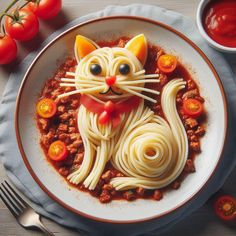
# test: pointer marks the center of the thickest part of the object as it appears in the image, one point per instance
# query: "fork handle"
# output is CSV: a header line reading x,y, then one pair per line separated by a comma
x,y
44,229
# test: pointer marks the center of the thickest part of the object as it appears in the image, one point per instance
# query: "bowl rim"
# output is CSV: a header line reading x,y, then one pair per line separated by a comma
x,y
91,217
200,9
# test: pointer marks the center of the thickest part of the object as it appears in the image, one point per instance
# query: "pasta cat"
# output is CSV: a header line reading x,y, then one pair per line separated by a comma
x,y
117,126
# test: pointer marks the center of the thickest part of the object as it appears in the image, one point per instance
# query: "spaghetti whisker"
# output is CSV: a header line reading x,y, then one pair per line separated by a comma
x,y
76,85
67,85
138,81
70,73
139,73
144,89
67,80
81,91
149,76
140,95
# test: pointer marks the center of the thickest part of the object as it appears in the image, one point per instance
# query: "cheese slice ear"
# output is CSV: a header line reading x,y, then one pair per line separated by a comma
x,y
83,46
138,46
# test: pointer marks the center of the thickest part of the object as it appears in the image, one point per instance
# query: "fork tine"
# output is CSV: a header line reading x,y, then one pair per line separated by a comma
x,y
9,198
19,198
13,212
13,196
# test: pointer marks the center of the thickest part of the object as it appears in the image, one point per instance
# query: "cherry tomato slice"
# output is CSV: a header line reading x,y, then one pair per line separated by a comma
x,y
103,118
58,151
46,108
192,107
225,207
167,63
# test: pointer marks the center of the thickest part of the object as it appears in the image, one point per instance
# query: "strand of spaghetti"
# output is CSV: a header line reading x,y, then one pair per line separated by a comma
x,y
68,80
139,73
81,91
149,76
144,89
139,94
139,81
67,85
70,73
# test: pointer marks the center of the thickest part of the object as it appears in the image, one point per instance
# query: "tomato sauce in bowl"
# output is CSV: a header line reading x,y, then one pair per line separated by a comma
x,y
219,21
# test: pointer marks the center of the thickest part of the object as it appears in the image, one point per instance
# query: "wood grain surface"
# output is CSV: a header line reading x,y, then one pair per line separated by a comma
x,y
202,222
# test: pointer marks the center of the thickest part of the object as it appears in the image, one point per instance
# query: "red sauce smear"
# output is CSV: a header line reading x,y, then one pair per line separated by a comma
x,y
219,21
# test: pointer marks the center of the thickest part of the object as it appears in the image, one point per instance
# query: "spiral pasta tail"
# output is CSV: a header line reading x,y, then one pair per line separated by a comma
x,y
153,153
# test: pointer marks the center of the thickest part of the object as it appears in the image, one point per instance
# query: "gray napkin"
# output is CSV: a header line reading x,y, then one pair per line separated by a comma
x,y
18,173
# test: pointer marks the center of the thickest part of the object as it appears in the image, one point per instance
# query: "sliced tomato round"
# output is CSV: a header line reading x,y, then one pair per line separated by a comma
x,y
225,207
58,151
167,63
192,107
46,108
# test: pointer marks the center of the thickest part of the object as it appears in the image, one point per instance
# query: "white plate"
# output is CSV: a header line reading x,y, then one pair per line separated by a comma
x,y
82,203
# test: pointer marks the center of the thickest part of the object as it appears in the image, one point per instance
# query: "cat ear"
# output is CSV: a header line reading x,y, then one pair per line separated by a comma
x,y
83,46
138,46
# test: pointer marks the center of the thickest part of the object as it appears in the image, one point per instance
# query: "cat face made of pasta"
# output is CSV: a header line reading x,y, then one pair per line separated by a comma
x,y
111,74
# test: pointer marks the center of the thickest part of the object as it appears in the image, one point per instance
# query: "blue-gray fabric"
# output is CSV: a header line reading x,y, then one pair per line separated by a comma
x,y
20,176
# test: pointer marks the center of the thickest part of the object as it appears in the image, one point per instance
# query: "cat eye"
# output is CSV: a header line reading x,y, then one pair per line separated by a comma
x,y
124,69
95,69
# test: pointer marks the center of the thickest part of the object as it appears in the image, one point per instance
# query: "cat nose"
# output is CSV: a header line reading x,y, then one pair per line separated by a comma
x,y
110,80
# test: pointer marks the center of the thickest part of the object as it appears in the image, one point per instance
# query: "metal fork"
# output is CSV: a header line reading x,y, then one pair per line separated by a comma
x,y
20,209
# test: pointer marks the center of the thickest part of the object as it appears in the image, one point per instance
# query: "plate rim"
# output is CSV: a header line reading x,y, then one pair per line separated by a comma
x,y
147,20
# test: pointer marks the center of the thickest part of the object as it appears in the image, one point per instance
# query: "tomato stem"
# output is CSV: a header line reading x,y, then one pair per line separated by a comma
x,y
26,3
5,13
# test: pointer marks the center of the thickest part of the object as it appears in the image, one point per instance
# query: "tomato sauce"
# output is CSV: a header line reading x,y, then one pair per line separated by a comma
x,y
63,126
219,21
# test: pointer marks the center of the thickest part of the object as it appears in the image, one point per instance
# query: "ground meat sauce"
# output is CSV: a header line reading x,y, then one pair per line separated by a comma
x,y
63,126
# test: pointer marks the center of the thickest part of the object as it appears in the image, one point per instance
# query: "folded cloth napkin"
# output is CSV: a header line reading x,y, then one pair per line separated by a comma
x,y
17,172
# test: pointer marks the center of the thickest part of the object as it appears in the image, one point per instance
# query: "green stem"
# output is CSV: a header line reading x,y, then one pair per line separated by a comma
x,y
11,5
5,13
25,4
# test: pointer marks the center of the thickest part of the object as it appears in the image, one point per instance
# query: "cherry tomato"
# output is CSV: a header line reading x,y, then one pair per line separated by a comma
x,y
46,108
45,9
167,63
103,118
24,26
109,107
8,49
225,207
58,151
192,107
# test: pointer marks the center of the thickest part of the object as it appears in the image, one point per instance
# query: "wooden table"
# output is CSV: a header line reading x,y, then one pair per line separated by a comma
x,y
201,223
